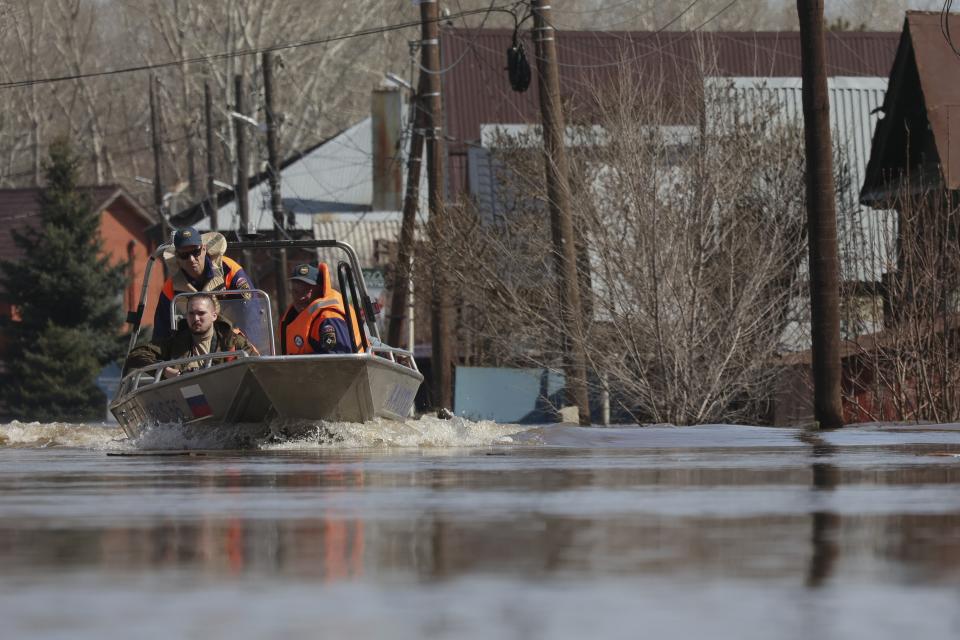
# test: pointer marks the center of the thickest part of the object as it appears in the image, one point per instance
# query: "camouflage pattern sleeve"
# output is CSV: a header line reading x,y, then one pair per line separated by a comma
x,y
142,356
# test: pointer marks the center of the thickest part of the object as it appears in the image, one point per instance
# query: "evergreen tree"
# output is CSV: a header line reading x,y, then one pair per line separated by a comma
x,y
68,296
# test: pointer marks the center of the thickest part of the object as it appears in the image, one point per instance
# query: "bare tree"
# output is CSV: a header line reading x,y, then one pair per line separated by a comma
x,y
321,88
697,239
25,38
311,88
909,369
78,37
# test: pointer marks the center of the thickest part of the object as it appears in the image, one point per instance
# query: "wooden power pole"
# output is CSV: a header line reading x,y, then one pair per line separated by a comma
x,y
441,362
561,221
411,201
821,219
243,183
211,167
273,173
157,169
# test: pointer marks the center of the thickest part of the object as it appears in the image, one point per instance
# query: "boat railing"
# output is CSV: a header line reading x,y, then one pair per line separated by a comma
x,y
395,354
153,373
140,378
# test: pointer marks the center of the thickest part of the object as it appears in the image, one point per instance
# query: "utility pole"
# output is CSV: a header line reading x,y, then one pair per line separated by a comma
x,y
561,221
273,173
157,177
211,168
243,185
411,201
440,306
821,219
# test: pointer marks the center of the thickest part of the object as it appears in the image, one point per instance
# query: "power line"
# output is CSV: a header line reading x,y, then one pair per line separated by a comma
x,y
249,52
644,37
945,25
466,51
120,153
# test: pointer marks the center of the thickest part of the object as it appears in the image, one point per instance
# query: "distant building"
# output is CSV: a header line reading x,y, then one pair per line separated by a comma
x,y
349,187
918,138
123,227
914,157
760,66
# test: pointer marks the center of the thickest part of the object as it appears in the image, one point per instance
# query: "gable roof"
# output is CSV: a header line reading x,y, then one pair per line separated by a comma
x,y
476,90
921,106
20,209
201,209
334,177
301,175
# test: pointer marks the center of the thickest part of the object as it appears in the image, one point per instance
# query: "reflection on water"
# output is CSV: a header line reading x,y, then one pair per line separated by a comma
x,y
559,532
825,523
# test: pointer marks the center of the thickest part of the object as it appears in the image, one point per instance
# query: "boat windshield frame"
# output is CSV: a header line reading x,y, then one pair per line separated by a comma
x,y
265,346
369,321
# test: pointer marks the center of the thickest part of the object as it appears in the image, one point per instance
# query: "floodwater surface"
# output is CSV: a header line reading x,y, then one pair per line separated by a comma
x,y
458,529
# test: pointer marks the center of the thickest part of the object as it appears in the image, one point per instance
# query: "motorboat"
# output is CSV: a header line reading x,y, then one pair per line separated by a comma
x,y
265,389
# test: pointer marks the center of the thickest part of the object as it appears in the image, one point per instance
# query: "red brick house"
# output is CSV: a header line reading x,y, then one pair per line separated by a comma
x,y
123,227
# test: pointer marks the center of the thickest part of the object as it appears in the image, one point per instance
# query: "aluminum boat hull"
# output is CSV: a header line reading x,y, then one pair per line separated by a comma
x,y
264,389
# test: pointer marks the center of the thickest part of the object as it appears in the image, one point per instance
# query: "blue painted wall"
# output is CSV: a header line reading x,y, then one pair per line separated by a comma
x,y
507,395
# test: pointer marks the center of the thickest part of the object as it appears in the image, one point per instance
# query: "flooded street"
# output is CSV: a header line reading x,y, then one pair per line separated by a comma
x,y
475,530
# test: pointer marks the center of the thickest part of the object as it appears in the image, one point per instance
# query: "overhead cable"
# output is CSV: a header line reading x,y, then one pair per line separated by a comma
x,y
248,52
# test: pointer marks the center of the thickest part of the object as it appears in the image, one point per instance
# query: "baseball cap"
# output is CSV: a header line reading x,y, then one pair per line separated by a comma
x,y
305,273
186,237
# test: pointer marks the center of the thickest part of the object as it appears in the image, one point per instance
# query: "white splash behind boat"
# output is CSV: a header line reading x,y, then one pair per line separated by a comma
x,y
381,381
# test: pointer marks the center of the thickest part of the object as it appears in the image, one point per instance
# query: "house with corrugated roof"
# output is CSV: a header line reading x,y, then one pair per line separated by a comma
x,y
758,68
913,176
328,190
124,226
915,155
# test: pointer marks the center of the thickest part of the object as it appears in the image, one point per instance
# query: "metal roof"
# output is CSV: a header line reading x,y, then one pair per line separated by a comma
x,y
361,231
333,177
867,237
476,90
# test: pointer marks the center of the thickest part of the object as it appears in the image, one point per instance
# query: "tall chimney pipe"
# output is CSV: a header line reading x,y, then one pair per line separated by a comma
x,y
386,113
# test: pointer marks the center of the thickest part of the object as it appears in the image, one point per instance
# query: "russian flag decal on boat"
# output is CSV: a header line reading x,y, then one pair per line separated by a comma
x,y
199,406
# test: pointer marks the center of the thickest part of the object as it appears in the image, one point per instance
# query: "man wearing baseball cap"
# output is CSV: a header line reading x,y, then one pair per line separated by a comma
x,y
316,321
200,266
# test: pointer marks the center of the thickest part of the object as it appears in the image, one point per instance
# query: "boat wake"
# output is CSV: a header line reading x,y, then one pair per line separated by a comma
x,y
41,435
378,433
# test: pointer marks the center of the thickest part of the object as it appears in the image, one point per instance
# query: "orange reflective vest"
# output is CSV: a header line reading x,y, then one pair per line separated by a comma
x,y
299,330
224,271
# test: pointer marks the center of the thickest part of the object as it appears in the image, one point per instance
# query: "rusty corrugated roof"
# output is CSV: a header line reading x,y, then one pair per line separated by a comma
x,y
476,89
922,105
